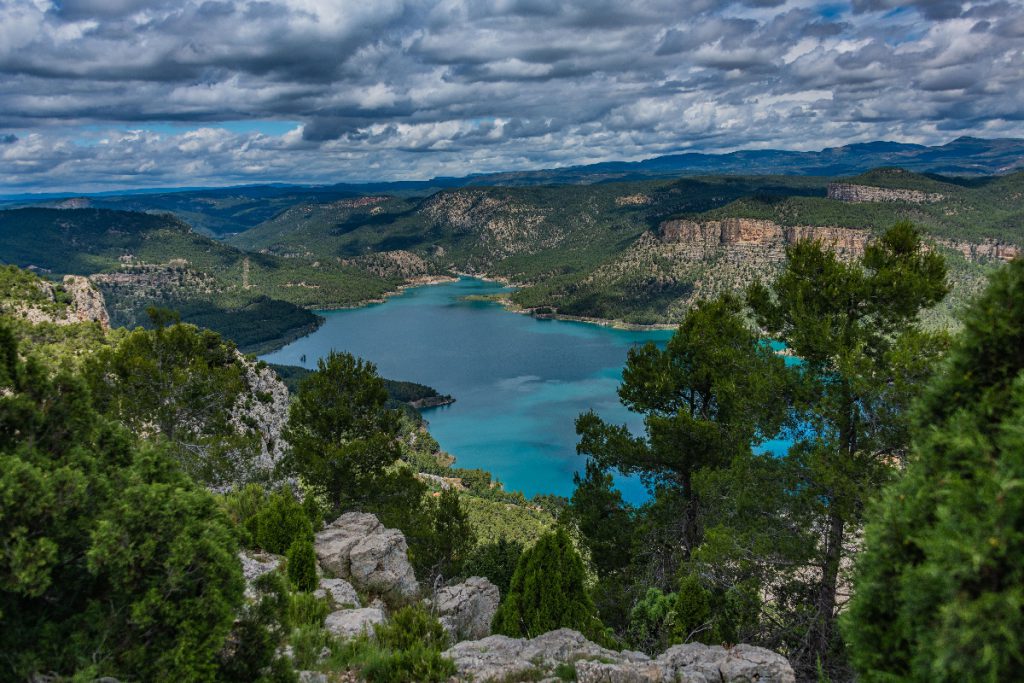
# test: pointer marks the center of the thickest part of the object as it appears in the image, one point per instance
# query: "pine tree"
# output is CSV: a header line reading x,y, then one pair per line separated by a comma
x,y
597,510
548,592
341,435
302,565
281,522
183,383
710,394
454,537
939,589
854,325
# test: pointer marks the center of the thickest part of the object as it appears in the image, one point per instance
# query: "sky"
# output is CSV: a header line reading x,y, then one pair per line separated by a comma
x,y
116,94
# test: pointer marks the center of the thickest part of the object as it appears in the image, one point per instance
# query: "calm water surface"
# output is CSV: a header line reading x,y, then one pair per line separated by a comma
x,y
519,382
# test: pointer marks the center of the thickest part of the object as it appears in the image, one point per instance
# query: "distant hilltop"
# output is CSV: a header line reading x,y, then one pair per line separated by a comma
x,y
964,156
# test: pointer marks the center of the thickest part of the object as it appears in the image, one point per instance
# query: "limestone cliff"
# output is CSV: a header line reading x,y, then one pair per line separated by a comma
x,y
684,261
263,408
986,250
766,238
849,192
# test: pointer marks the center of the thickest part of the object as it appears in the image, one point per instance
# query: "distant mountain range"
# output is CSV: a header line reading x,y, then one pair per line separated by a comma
x,y
964,156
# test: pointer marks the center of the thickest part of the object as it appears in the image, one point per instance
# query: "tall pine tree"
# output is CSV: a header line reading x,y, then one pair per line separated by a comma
x,y
855,327
939,590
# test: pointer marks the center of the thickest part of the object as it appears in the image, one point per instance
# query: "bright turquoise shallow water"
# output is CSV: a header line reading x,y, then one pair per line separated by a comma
x,y
519,382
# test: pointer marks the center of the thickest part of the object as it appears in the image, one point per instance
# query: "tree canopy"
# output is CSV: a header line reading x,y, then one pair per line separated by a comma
x,y
111,560
939,590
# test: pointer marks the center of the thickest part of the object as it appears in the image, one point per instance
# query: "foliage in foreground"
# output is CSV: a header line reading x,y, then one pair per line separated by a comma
x,y
750,546
940,587
111,560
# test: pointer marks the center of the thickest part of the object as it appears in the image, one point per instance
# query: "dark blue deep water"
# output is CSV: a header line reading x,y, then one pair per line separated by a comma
x,y
519,382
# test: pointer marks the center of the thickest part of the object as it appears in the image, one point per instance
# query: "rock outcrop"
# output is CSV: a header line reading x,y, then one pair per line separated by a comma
x,y
499,658
850,192
466,610
75,300
339,592
254,565
764,238
352,623
986,250
357,547
88,304
263,408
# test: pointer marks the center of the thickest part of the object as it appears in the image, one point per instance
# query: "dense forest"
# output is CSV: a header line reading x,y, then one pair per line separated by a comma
x,y
884,545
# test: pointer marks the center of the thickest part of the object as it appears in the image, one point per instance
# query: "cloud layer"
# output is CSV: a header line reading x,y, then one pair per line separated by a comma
x,y
127,93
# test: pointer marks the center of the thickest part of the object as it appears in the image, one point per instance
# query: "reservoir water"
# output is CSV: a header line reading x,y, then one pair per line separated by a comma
x,y
519,382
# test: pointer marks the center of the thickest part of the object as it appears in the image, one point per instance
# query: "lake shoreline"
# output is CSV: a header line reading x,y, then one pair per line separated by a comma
x,y
520,382
504,301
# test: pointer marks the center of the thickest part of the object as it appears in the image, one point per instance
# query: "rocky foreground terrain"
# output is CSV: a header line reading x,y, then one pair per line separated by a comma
x,y
366,573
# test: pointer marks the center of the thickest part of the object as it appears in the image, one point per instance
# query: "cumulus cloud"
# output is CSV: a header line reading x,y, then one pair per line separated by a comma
x,y
111,93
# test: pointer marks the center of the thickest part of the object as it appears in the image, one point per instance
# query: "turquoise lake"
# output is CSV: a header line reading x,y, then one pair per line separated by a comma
x,y
519,382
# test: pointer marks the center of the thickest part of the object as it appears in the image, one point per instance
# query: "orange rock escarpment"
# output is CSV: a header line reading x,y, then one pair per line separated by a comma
x,y
765,236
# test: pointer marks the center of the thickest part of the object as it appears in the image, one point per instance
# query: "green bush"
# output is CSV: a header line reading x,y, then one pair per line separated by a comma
x,y
302,565
112,561
453,536
410,626
314,511
281,522
304,609
548,592
650,622
692,610
307,642
243,507
418,663
565,671
408,648
939,589
495,561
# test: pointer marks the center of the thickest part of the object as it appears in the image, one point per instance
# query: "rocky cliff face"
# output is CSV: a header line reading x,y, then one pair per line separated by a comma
x,y
264,409
765,238
986,250
848,192
692,260
86,304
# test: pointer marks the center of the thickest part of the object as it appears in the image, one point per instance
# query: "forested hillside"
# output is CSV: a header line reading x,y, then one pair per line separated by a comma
x,y
138,260
606,251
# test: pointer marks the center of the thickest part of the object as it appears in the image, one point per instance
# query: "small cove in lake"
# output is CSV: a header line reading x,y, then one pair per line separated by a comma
x,y
519,382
